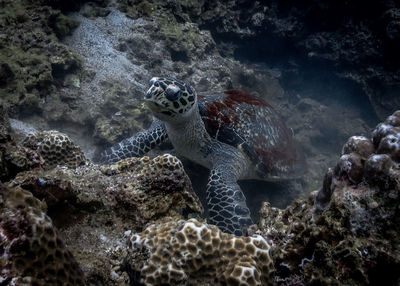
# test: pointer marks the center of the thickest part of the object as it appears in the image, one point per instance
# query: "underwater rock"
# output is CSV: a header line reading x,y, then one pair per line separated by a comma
x,y
355,41
94,205
31,54
381,131
390,144
348,233
350,166
323,196
394,119
386,137
13,157
160,188
32,252
194,253
377,169
141,189
360,145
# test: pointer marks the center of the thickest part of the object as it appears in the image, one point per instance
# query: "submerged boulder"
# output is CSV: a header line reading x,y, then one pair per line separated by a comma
x,y
94,206
347,232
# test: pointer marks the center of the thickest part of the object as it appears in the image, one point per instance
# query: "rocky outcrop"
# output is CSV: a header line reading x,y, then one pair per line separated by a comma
x,y
93,206
356,41
32,59
348,231
13,157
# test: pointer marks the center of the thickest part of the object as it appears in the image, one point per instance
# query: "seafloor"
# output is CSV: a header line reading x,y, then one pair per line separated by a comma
x,y
72,78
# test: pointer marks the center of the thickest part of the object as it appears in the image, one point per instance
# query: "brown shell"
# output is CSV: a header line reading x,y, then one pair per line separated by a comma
x,y
256,129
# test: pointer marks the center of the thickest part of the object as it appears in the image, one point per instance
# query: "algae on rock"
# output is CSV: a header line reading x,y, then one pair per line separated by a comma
x,y
31,55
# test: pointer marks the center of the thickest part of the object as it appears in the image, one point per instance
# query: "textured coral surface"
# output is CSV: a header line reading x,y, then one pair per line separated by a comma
x,y
56,148
31,251
194,253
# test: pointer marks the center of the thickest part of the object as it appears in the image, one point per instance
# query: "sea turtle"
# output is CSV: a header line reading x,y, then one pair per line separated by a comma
x,y
234,134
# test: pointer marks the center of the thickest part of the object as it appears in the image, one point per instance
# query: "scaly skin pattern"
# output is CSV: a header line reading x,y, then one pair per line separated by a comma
x,y
226,202
137,145
234,134
250,124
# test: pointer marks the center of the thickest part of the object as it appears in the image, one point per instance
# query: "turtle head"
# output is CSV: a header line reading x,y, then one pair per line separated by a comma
x,y
170,98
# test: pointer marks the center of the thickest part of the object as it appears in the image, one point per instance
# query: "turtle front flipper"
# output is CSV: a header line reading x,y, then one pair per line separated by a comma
x,y
226,202
137,145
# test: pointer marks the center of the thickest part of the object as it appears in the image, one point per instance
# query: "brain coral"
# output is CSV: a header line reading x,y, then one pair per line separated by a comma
x,y
31,253
188,252
56,148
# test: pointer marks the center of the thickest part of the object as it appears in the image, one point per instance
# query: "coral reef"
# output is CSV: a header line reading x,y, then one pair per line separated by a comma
x,y
32,59
87,80
13,157
194,253
93,205
347,232
32,252
55,148
141,189
360,145
160,188
97,99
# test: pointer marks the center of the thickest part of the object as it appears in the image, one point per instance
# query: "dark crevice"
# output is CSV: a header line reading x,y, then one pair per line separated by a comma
x,y
299,74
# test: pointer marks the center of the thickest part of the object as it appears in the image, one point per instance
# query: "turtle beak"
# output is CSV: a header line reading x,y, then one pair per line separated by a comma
x,y
153,106
148,95
151,101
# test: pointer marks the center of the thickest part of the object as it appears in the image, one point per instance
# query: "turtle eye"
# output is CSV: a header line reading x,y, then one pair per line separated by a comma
x,y
173,93
153,80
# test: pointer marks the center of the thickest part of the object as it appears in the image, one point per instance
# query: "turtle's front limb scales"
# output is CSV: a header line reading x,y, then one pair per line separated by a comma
x,y
137,145
226,202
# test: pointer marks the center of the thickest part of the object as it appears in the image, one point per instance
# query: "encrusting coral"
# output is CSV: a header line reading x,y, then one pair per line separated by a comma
x,y
152,188
189,252
31,252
